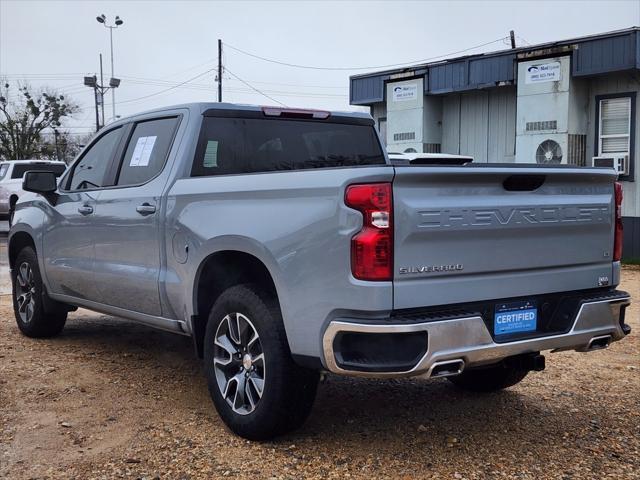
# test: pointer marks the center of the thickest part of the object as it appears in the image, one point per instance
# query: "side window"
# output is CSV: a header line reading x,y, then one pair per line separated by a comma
x,y
147,151
3,170
90,171
222,144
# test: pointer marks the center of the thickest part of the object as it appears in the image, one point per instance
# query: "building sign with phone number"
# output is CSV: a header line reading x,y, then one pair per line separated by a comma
x,y
544,72
405,93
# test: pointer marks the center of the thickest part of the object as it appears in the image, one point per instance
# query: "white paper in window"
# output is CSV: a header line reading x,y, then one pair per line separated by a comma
x,y
211,154
142,151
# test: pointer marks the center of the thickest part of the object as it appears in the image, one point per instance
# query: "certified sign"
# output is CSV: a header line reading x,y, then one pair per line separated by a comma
x,y
544,72
405,93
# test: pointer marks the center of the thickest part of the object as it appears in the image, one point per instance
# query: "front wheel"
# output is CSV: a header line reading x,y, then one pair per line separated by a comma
x,y
489,379
33,319
254,383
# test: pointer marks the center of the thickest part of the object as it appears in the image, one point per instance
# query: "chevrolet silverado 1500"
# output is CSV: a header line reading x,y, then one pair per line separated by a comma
x,y
285,243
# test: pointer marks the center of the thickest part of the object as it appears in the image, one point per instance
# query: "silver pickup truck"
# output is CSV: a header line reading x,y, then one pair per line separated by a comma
x,y
284,243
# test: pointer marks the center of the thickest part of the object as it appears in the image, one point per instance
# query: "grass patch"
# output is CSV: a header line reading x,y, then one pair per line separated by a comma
x,y
631,261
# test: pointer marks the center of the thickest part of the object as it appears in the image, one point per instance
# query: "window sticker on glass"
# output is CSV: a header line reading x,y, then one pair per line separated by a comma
x,y
142,152
211,154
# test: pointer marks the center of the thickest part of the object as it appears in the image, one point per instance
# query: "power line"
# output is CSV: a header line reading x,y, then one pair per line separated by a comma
x,y
375,67
289,94
211,60
167,89
254,88
209,88
523,40
167,82
37,76
68,76
302,85
76,91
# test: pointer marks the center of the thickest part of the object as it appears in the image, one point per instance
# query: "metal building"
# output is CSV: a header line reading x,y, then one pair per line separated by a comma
x,y
571,102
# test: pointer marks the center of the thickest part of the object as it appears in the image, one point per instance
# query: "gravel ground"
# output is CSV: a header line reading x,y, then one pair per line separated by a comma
x,y
111,399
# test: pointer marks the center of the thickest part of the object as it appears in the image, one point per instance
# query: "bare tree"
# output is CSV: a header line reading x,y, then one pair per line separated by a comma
x,y
26,117
63,145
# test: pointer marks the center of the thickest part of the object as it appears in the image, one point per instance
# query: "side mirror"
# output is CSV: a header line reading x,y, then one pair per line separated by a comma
x,y
40,182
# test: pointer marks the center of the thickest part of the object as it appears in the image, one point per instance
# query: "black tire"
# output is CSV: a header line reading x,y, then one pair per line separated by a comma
x,y
489,379
33,319
288,390
12,209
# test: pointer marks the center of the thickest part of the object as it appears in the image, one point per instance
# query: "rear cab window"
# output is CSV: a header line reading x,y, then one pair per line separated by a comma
x,y
250,145
18,170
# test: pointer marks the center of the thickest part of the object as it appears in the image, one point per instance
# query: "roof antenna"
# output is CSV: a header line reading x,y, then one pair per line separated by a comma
x,y
512,36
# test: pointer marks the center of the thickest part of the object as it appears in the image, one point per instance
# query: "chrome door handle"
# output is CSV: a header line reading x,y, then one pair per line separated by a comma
x,y
85,210
146,209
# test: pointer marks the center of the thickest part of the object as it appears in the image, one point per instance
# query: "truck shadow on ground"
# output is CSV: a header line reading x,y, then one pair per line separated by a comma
x,y
426,413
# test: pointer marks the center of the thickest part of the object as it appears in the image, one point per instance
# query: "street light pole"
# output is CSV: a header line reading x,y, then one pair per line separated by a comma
x,y
113,90
113,82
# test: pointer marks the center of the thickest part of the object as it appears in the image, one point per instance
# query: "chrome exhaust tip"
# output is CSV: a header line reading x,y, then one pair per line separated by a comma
x,y
599,343
447,368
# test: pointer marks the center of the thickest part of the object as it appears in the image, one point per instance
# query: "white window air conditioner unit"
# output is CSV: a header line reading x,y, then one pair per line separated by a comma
x,y
618,162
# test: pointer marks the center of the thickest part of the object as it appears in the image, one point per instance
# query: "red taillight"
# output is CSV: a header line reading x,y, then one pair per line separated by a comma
x,y
372,247
617,242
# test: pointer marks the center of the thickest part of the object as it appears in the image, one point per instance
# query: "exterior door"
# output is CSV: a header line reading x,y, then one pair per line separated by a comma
x,y
69,238
128,236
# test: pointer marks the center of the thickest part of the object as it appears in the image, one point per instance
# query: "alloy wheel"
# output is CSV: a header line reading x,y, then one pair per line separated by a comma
x,y
26,292
239,363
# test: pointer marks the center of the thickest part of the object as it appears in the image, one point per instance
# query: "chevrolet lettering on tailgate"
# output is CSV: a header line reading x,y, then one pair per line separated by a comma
x,y
489,217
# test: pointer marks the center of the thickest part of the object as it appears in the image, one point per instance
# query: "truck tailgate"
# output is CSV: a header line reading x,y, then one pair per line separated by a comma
x,y
472,233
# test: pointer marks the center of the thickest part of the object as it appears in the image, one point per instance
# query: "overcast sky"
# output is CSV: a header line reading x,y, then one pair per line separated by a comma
x,y
164,43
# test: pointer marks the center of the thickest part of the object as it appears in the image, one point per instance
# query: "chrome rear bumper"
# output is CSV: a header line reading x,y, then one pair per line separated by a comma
x,y
468,340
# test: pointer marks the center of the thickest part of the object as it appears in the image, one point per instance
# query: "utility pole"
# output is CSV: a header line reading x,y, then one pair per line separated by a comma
x,y
99,90
219,70
102,90
93,83
512,36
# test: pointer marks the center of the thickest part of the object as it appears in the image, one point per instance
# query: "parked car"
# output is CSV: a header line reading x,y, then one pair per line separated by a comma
x,y
11,173
284,243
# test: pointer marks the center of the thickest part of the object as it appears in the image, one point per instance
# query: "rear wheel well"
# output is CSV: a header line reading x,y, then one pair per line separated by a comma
x,y
218,272
17,243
